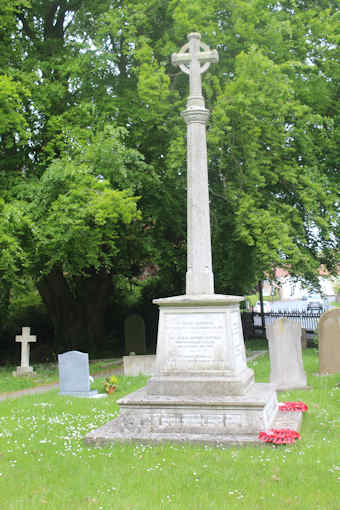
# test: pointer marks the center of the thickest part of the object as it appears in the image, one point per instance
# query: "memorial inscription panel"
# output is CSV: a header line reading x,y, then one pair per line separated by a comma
x,y
196,337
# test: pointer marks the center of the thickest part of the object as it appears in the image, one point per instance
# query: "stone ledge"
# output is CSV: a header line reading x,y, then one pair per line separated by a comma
x,y
257,395
217,420
110,433
199,300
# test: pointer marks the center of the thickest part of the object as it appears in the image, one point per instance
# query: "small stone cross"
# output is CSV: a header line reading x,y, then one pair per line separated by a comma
x,y
25,338
189,60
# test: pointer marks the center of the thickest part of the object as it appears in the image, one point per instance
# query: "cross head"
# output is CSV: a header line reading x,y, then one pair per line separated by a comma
x,y
25,336
190,58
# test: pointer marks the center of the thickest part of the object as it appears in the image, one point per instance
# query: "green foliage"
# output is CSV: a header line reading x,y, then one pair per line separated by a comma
x,y
278,198
252,298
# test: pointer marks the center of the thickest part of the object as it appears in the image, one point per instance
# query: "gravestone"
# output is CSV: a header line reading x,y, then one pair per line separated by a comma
x,y
134,333
74,374
329,342
201,388
285,353
304,339
25,339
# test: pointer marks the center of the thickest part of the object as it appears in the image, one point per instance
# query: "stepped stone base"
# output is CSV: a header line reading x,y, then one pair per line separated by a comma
x,y
211,420
24,371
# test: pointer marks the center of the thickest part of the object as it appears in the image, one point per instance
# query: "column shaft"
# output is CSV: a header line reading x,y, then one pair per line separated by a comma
x,y
199,277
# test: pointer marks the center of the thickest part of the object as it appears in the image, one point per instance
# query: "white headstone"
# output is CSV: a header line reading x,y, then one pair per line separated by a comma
x,y
74,374
285,352
25,339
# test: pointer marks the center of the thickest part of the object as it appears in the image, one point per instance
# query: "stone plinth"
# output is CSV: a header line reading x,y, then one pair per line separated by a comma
x,y
200,347
202,389
218,420
24,371
139,365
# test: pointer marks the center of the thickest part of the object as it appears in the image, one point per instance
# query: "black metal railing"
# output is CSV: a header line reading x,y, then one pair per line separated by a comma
x,y
251,321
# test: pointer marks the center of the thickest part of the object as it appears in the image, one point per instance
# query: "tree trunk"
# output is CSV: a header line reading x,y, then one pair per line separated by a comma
x,y
78,317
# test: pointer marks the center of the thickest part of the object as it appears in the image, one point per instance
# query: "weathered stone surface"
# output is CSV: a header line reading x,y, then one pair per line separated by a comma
x,y
329,342
230,419
200,349
286,365
139,365
24,371
206,393
194,62
25,339
134,333
144,365
74,375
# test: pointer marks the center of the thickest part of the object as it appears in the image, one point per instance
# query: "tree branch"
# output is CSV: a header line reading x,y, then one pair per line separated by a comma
x,y
26,28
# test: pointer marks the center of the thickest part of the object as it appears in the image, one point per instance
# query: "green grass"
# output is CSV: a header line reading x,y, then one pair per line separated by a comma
x,y
46,373
44,463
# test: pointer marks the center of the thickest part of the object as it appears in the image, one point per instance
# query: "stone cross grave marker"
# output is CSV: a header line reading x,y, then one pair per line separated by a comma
x,y
329,342
134,333
25,339
74,374
285,353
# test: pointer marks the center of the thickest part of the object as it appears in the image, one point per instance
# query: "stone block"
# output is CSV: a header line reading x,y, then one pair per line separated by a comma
x,y
329,342
139,365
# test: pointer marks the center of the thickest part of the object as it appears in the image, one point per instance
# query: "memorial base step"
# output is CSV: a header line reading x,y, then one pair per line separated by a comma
x,y
227,420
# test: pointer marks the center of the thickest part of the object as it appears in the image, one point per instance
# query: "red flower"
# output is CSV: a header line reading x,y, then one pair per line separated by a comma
x,y
293,406
279,436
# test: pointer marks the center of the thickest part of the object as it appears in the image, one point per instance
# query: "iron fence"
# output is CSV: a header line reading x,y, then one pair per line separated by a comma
x,y
251,321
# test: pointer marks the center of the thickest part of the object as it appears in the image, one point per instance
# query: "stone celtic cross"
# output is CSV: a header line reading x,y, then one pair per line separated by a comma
x,y
189,59
193,61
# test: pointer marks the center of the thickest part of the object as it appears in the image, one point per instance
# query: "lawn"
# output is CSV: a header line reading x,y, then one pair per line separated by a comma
x,y
44,463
